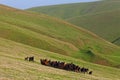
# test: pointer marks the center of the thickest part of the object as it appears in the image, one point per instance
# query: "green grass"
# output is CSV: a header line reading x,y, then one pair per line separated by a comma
x,y
67,11
51,34
30,34
105,24
100,17
62,11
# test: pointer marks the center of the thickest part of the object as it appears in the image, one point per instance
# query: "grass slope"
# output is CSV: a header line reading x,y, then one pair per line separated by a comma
x,y
67,11
29,34
55,35
105,24
13,66
94,16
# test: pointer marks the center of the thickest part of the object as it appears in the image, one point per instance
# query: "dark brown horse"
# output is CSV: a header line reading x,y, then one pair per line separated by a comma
x,y
90,72
65,66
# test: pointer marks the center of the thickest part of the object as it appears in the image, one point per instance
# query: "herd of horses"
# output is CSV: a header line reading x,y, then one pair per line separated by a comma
x,y
62,65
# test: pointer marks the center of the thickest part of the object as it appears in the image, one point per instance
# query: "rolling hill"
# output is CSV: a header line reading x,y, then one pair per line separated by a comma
x,y
100,17
25,33
66,11
108,27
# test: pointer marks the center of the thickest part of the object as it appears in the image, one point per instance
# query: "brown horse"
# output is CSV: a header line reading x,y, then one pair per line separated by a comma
x,y
65,66
26,58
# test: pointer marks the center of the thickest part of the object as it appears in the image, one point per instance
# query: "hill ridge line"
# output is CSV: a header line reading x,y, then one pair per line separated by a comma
x,y
108,11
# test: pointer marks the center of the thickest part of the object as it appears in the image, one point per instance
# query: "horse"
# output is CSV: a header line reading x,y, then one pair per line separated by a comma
x,y
90,72
31,58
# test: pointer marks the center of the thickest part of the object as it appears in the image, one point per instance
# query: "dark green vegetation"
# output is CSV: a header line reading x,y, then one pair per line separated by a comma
x,y
101,17
26,34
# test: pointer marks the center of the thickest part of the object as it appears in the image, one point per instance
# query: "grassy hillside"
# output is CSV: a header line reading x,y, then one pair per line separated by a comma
x,y
55,35
13,66
66,11
30,34
105,24
101,17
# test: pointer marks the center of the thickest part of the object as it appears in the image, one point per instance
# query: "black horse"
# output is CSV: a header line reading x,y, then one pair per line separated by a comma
x,y
90,72
29,58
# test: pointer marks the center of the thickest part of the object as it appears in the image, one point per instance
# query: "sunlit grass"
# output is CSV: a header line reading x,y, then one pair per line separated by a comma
x,y
13,66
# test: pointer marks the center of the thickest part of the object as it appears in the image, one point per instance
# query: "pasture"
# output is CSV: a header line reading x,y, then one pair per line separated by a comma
x,y
25,34
14,67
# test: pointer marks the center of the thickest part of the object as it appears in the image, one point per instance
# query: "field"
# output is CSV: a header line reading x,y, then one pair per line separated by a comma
x,y
14,67
25,33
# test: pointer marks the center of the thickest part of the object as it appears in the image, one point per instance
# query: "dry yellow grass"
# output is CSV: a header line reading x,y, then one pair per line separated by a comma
x,y
14,67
